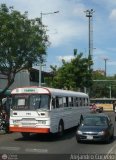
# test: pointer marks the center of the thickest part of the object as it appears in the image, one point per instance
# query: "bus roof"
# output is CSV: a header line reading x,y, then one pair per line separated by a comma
x,y
46,90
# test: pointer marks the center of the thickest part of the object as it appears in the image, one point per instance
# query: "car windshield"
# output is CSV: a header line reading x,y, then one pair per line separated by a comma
x,y
95,121
30,102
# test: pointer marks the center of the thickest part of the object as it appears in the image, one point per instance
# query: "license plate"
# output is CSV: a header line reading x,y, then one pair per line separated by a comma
x,y
89,137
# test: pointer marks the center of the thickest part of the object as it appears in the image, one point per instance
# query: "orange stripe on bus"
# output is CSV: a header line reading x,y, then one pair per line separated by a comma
x,y
32,130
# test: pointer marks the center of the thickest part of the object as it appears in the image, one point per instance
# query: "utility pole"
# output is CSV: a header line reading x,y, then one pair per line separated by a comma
x,y
110,88
40,64
89,15
105,59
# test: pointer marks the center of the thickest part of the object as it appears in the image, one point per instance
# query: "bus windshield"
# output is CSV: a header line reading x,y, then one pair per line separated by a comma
x,y
30,102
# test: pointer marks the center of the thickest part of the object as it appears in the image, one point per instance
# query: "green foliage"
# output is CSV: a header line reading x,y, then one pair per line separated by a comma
x,y
23,42
103,88
72,75
78,74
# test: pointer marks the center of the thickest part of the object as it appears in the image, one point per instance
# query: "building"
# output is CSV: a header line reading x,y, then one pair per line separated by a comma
x,y
24,78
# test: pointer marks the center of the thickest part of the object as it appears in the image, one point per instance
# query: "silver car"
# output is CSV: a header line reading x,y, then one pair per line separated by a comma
x,y
95,127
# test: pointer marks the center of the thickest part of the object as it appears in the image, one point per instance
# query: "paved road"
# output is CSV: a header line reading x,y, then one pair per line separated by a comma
x,y
38,145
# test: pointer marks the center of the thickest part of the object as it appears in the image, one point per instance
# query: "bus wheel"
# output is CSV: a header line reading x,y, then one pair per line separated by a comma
x,y
25,135
60,129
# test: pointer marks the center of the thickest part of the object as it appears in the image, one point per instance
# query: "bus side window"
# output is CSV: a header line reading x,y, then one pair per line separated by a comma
x,y
69,101
72,102
77,102
53,102
86,102
66,101
57,102
80,102
60,102
83,101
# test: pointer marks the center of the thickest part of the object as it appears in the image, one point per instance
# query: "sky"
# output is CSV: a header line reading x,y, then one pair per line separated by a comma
x,y
68,29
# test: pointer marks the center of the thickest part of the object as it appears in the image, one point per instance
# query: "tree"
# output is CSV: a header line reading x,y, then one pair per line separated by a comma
x,y
72,75
101,88
98,87
23,42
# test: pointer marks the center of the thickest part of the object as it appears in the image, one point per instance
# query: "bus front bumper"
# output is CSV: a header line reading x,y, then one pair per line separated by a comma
x,y
29,129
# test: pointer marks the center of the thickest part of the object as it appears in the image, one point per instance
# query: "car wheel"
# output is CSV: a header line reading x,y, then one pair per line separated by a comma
x,y
112,136
78,140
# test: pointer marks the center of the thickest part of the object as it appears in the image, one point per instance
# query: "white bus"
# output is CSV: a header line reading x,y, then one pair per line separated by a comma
x,y
46,110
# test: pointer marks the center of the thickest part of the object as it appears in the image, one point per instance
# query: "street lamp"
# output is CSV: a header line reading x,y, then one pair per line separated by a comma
x,y
48,13
89,14
40,68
